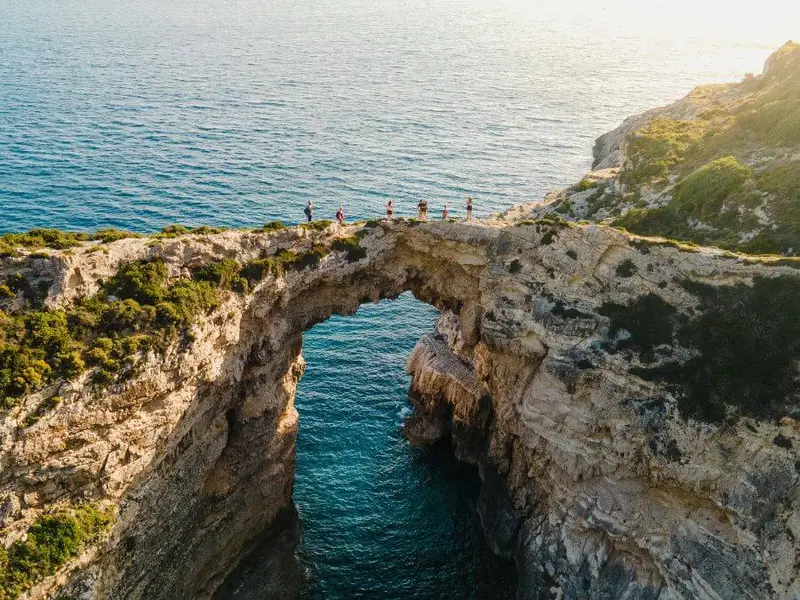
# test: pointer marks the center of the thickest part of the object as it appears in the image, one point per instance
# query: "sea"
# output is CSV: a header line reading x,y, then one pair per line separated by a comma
x,y
138,114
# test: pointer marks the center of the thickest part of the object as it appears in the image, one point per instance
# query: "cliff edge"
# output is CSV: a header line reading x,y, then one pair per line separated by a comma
x,y
632,403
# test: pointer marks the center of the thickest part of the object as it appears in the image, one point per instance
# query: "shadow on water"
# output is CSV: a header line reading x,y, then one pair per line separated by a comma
x,y
461,565
377,517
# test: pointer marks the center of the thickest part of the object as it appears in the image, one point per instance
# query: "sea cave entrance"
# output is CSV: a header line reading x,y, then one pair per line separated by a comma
x,y
378,518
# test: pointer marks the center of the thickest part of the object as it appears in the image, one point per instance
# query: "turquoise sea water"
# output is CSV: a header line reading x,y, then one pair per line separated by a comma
x,y
138,114
385,519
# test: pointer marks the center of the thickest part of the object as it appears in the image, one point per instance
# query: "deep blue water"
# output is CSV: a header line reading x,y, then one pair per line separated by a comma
x,y
141,113
385,519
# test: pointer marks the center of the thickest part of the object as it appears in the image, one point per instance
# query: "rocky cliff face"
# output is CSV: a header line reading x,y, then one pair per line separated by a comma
x,y
571,363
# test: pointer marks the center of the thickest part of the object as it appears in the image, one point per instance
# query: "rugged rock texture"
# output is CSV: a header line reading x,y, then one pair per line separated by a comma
x,y
593,479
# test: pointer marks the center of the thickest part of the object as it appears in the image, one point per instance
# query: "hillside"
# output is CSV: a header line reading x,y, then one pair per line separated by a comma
x,y
719,167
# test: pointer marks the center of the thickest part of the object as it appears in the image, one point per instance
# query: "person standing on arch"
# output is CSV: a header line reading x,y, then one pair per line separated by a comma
x,y
309,210
423,210
340,215
445,213
389,210
469,208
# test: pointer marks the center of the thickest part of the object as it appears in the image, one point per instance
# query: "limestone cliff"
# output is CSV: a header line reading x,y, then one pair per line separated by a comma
x,y
599,380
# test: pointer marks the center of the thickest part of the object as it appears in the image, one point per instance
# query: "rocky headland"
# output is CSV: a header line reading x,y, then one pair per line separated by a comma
x,y
719,167
632,403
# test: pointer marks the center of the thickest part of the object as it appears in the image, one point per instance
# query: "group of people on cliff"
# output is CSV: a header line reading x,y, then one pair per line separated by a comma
x,y
422,211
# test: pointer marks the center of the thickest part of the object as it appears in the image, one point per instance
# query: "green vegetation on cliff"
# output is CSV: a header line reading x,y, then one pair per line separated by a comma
x,y
139,309
350,246
51,541
61,240
56,239
734,167
654,150
744,340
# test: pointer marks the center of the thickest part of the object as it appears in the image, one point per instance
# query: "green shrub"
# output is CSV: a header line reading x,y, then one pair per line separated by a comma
x,y
271,226
48,331
350,245
240,285
123,316
68,364
563,207
191,299
222,273
320,225
104,344
665,221
172,231
286,260
654,149
142,281
553,220
103,377
746,341
41,346
6,248
650,321
206,230
42,238
112,235
626,268
97,356
298,261
705,156
600,201
51,541
782,182
703,193
35,348
727,183
255,270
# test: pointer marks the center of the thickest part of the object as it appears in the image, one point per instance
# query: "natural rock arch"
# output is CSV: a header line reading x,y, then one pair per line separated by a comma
x,y
594,481
251,480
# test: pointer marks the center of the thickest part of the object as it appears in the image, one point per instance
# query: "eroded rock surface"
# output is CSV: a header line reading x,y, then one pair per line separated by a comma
x,y
601,478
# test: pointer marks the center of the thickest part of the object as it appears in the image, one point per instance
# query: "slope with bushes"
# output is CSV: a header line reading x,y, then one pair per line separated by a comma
x,y
720,167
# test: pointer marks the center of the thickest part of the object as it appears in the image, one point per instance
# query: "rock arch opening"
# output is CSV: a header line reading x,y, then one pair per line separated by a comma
x,y
379,517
